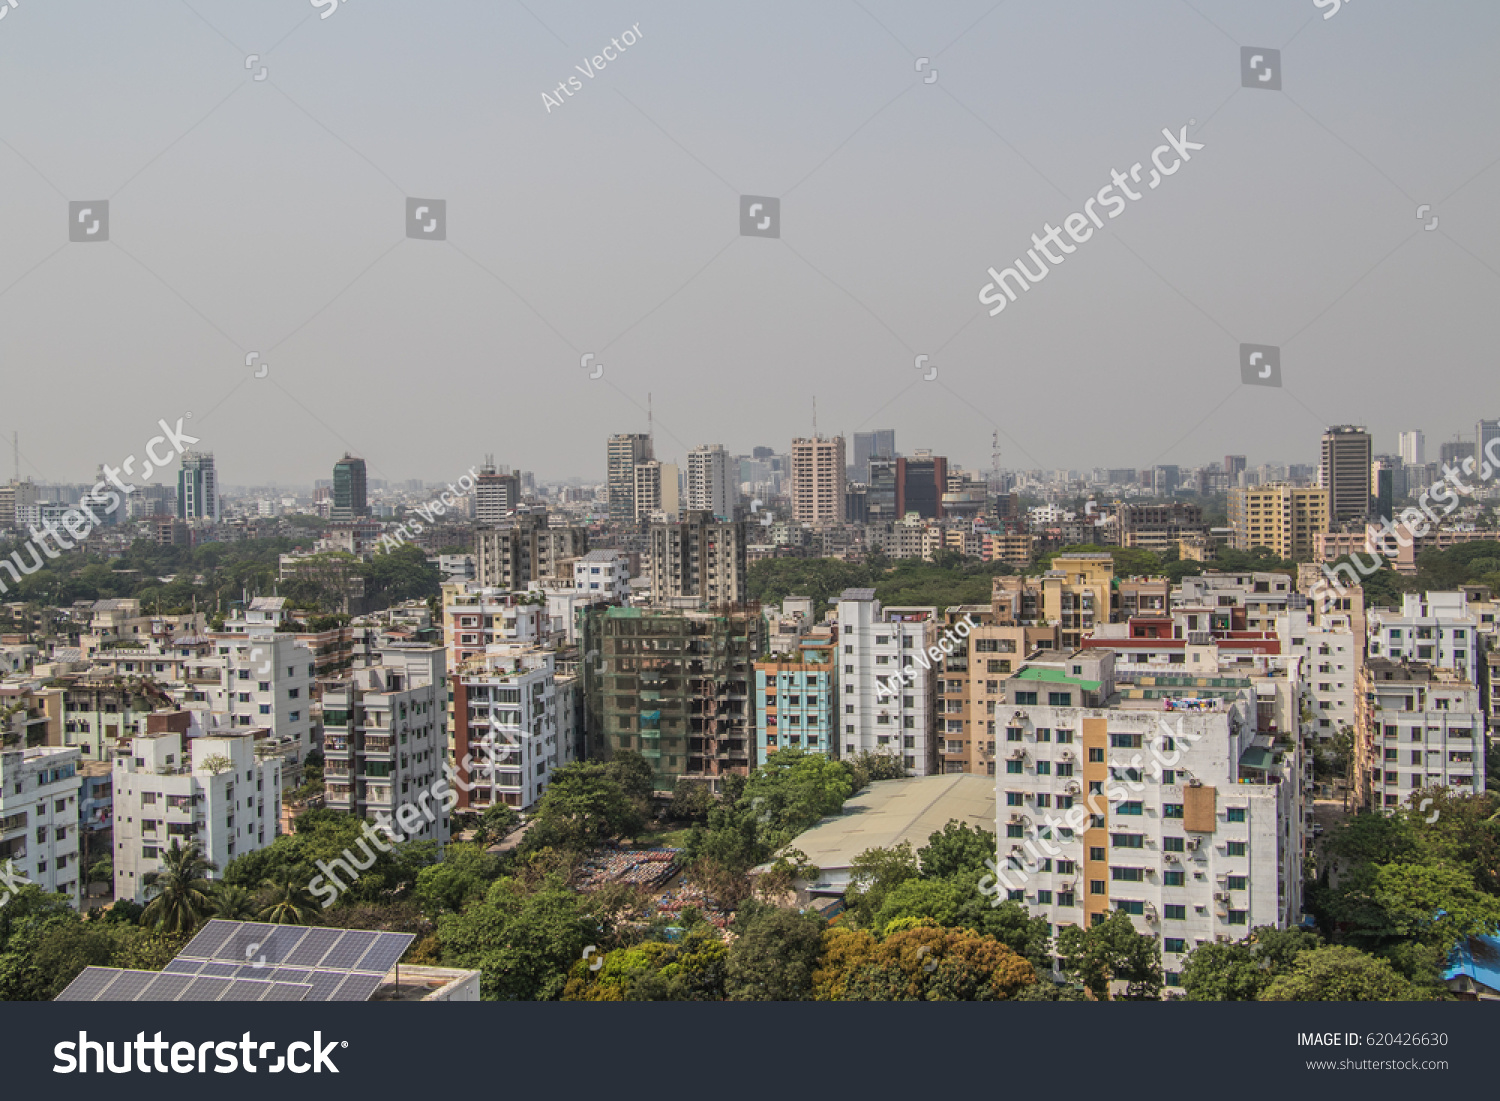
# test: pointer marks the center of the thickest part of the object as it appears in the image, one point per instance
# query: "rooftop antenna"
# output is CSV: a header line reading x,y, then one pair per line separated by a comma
x,y
815,416
15,443
650,422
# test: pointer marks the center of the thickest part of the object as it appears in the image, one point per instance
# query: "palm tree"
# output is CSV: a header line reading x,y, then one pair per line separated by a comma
x,y
181,890
233,903
287,901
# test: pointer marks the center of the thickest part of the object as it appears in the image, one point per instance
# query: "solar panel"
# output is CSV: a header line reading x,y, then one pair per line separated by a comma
x,y
388,948
166,988
90,983
346,954
357,987
209,940
316,964
313,947
127,987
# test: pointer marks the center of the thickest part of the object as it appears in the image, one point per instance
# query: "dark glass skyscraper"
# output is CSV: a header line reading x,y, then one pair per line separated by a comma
x,y
349,502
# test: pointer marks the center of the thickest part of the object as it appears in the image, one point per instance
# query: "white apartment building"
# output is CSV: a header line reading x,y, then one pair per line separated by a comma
x,y
711,482
514,722
604,574
476,617
172,787
385,739
1436,628
1183,814
1331,657
266,682
1417,727
39,791
1220,599
875,644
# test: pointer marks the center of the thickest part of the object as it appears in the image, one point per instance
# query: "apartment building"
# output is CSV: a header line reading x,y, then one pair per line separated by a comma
x,y
656,491
39,814
1346,473
497,495
173,787
1224,602
1417,726
1075,594
876,645
625,452
266,680
385,738
699,557
604,574
796,701
1436,628
476,617
1279,516
1332,657
1158,527
513,723
819,480
526,549
1185,812
711,482
674,686
970,690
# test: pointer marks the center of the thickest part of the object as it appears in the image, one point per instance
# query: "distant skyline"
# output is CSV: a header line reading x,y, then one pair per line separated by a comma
x,y
261,266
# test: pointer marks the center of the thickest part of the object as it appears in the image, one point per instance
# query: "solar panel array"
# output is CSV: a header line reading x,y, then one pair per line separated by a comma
x,y
112,984
338,965
242,961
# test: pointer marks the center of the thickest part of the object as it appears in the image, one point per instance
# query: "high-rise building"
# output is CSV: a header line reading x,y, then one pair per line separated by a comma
x,y
920,484
385,737
796,699
349,498
626,452
197,487
1413,447
1484,432
1383,486
655,491
526,549
1455,451
1346,472
1234,466
674,686
496,495
1281,517
710,485
875,645
819,480
880,498
879,444
700,557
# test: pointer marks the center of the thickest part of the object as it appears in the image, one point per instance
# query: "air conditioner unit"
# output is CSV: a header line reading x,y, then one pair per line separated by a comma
x,y
1018,717
1170,858
1065,755
1031,796
1194,842
1150,912
1221,896
1195,783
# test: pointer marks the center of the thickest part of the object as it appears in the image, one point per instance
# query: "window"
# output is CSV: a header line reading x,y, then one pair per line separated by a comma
x,y
1124,741
1174,879
1066,898
1096,852
1128,840
1239,917
1064,737
1236,814
1096,886
1013,768
1239,883
1096,755
1013,734
1015,830
1014,799
1044,768
1236,848
1131,906
1171,810
1173,845
1135,809
1026,699
1059,699
1066,867
1043,734
1044,898
1175,912
1128,875
1065,768
1177,945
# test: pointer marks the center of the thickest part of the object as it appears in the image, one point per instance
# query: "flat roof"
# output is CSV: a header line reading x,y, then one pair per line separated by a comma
x,y
889,812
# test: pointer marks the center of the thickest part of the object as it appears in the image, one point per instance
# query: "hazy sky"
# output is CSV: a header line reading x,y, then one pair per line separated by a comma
x,y
270,216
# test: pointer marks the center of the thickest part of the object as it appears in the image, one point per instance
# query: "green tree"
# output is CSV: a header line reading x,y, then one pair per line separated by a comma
x,y
1112,951
523,943
873,874
1338,973
955,848
773,955
1240,972
464,875
584,806
233,903
181,892
287,901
